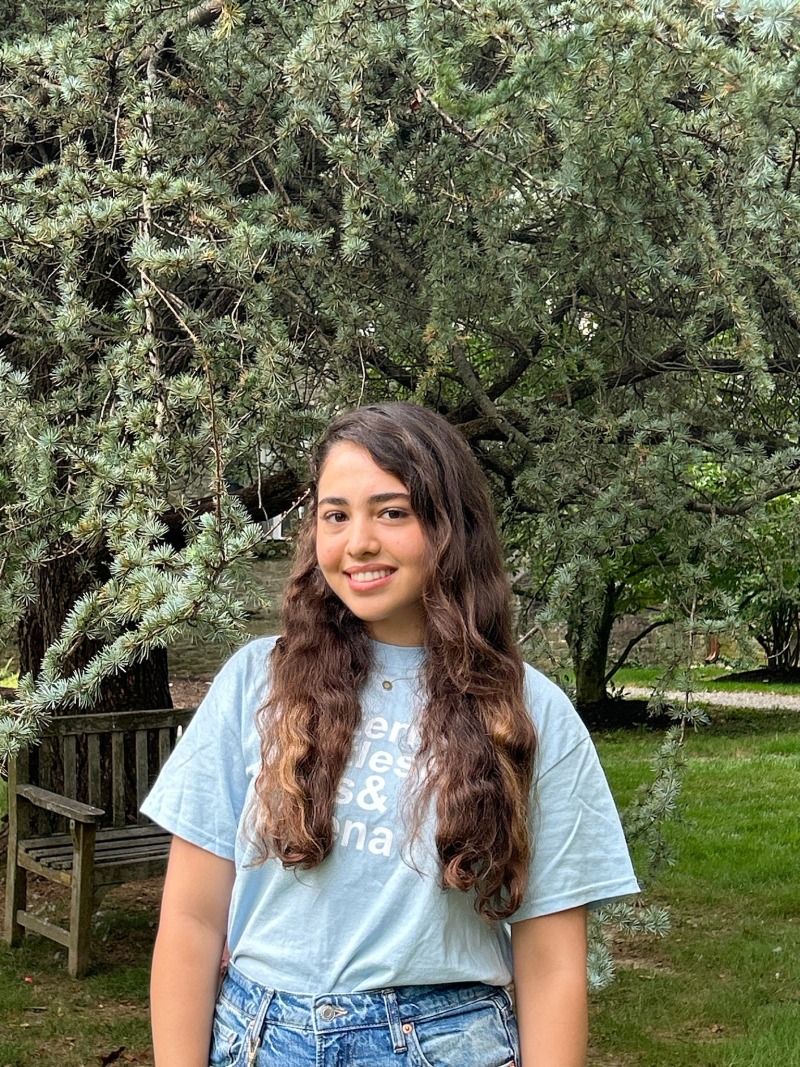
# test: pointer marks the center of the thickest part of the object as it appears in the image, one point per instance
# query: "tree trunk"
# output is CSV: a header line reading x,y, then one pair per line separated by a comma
x,y
588,646
781,641
590,676
60,583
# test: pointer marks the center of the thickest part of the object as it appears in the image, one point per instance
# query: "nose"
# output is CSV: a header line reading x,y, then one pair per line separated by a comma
x,y
362,540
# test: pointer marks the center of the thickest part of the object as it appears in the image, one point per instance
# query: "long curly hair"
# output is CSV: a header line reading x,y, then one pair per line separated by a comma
x,y
477,743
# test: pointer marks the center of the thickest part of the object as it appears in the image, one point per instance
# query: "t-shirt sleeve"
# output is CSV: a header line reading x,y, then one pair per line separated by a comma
x,y
580,855
200,793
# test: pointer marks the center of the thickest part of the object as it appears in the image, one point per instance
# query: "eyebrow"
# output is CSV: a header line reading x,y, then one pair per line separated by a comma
x,y
378,498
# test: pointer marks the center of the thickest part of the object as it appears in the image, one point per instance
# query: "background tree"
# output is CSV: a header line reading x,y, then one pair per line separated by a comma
x,y
570,228
761,578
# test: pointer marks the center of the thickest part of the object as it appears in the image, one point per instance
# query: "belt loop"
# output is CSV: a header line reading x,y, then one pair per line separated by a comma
x,y
255,1030
393,1016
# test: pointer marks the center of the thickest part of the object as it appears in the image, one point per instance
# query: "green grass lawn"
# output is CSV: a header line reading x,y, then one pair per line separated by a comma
x,y
712,678
721,990
48,1019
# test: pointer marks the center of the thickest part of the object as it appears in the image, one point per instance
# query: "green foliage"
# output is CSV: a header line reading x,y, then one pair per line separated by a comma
x,y
571,228
646,821
763,578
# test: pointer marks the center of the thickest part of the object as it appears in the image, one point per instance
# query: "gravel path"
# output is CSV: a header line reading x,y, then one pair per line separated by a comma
x,y
749,699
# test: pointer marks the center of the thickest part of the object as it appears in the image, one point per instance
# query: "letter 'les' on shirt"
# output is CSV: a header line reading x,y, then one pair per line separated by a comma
x,y
367,918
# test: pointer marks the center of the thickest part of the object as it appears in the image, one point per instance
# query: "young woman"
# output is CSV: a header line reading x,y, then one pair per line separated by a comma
x,y
384,811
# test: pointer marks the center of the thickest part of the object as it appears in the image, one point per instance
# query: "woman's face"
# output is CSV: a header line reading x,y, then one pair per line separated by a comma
x,y
370,545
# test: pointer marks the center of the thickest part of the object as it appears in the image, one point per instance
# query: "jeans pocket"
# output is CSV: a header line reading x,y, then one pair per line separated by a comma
x,y
481,1034
227,1034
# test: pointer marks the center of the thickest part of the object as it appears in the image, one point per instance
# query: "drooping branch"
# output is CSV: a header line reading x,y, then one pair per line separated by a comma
x,y
263,500
673,359
634,641
745,507
204,14
470,379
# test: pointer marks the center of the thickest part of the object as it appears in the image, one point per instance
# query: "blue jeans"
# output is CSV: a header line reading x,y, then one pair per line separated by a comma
x,y
469,1025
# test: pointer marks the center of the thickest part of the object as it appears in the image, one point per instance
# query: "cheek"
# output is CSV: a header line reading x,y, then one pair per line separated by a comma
x,y
417,550
326,552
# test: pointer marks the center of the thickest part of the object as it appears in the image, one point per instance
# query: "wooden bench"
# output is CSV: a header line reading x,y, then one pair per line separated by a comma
x,y
106,841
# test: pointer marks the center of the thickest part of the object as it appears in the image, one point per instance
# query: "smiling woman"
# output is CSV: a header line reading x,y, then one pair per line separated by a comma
x,y
387,814
370,545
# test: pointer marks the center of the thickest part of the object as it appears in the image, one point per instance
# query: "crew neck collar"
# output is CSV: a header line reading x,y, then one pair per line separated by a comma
x,y
396,657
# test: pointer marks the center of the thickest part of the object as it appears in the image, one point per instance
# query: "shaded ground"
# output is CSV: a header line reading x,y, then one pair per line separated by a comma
x,y
48,1019
765,675
622,715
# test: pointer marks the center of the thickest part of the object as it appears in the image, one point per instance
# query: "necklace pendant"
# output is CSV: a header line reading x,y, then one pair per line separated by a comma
x,y
386,684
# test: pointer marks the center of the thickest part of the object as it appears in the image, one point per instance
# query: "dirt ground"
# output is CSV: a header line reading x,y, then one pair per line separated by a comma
x,y
187,693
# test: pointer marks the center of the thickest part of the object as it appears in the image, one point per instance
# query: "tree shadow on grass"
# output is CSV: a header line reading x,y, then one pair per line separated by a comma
x,y
723,721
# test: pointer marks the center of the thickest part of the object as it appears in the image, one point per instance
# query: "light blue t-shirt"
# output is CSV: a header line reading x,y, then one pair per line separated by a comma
x,y
373,915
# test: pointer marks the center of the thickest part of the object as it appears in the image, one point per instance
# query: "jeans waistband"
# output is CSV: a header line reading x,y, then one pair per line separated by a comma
x,y
347,1011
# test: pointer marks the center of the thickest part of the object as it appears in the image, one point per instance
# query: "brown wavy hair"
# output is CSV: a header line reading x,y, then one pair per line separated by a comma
x,y
477,742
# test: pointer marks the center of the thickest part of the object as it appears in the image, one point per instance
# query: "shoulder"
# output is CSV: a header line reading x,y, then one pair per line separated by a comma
x,y
248,662
559,728
241,684
259,648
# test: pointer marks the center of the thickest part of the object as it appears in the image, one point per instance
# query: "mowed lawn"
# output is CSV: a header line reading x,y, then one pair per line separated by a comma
x,y
721,990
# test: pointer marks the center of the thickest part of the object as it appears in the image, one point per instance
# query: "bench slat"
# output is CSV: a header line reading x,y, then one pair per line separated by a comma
x,y
47,750
142,783
59,855
164,745
93,745
53,874
118,779
134,835
70,766
124,857
123,721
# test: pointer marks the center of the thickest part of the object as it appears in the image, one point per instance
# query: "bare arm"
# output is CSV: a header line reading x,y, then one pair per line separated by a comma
x,y
550,983
191,936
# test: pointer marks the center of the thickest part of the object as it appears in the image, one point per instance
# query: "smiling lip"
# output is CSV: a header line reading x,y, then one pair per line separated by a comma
x,y
365,579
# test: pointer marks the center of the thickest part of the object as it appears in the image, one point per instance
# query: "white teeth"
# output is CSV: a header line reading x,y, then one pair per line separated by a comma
x,y
369,576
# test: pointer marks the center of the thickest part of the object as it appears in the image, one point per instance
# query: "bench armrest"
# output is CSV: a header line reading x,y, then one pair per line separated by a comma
x,y
70,809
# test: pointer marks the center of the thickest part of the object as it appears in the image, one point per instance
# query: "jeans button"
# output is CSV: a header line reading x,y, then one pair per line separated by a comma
x,y
327,1012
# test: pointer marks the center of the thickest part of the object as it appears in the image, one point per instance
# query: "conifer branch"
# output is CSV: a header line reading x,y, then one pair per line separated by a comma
x,y
204,14
489,409
634,641
423,96
198,17
747,504
216,442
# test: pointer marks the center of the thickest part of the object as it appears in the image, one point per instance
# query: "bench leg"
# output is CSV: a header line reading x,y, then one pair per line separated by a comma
x,y
81,898
18,826
16,896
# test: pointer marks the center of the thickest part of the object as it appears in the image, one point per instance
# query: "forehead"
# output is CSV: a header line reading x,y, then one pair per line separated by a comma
x,y
350,471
